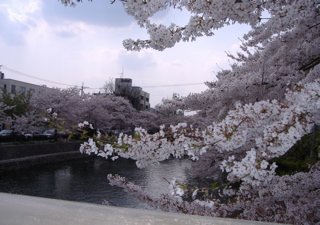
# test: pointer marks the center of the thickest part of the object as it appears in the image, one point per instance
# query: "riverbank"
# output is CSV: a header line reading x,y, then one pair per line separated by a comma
x,y
24,155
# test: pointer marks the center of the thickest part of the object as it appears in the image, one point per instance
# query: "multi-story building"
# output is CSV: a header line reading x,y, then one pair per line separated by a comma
x,y
138,98
15,86
143,98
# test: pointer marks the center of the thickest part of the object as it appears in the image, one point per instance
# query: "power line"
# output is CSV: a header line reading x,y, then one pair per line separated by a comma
x,y
37,78
173,85
70,85
161,86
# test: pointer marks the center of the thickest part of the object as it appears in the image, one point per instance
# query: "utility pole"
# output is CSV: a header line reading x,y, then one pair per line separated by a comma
x,y
82,89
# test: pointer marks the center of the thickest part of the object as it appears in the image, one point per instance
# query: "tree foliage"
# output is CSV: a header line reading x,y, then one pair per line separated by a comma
x,y
104,111
4,119
19,103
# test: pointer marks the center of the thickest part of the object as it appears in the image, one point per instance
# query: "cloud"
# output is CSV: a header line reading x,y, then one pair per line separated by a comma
x,y
11,31
100,13
67,31
136,60
65,34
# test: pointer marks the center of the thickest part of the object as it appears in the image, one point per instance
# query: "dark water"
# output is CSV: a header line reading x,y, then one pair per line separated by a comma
x,y
85,180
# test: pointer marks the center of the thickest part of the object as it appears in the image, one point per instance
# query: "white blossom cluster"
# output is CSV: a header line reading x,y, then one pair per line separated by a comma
x,y
286,199
175,189
208,16
276,54
69,3
274,127
169,203
52,113
85,124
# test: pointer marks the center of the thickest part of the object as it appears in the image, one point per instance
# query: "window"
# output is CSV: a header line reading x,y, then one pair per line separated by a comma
x,y
13,89
22,90
125,80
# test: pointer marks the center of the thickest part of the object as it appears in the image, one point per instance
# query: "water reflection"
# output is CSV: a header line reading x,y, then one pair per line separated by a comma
x,y
62,179
85,180
155,175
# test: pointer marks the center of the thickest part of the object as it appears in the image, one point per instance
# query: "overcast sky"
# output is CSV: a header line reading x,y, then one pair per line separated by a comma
x,y
72,46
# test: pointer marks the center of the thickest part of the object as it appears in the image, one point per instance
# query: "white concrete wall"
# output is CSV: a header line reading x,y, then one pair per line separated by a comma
x,y
26,210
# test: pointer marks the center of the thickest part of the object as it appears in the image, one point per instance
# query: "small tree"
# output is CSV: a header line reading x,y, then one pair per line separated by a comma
x,y
4,119
19,102
108,87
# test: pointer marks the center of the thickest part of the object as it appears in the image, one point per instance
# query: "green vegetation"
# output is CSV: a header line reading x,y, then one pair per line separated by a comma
x,y
19,101
301,156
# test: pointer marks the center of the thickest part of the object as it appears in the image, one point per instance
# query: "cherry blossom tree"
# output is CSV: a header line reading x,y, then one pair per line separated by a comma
x,y
258,109
105,112
27,122
171,106
290,35
64,102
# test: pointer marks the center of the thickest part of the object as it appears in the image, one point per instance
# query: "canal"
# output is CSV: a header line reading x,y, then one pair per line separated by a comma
x,y
85,180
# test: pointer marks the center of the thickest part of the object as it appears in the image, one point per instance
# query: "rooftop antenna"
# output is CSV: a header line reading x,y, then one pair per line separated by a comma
x,y
121,74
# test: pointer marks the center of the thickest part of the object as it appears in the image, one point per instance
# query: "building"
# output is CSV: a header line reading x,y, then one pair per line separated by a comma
x,y
122,85
143,98
15,86
137,97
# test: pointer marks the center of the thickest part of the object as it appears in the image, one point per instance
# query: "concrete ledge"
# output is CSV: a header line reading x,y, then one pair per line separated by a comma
x,y
26,210
26,150
21,156
25,162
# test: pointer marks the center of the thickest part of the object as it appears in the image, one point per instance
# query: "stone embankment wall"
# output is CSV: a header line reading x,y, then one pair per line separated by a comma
x,y
25,155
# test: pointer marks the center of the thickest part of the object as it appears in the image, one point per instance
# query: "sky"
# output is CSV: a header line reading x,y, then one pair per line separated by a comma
x,y
43,42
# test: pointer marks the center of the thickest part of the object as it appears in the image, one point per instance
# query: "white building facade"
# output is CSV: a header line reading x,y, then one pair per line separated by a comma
x,y
16,87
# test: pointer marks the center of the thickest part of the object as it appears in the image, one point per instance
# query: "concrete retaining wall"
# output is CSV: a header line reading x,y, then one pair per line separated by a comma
x,y
21,156
26,210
